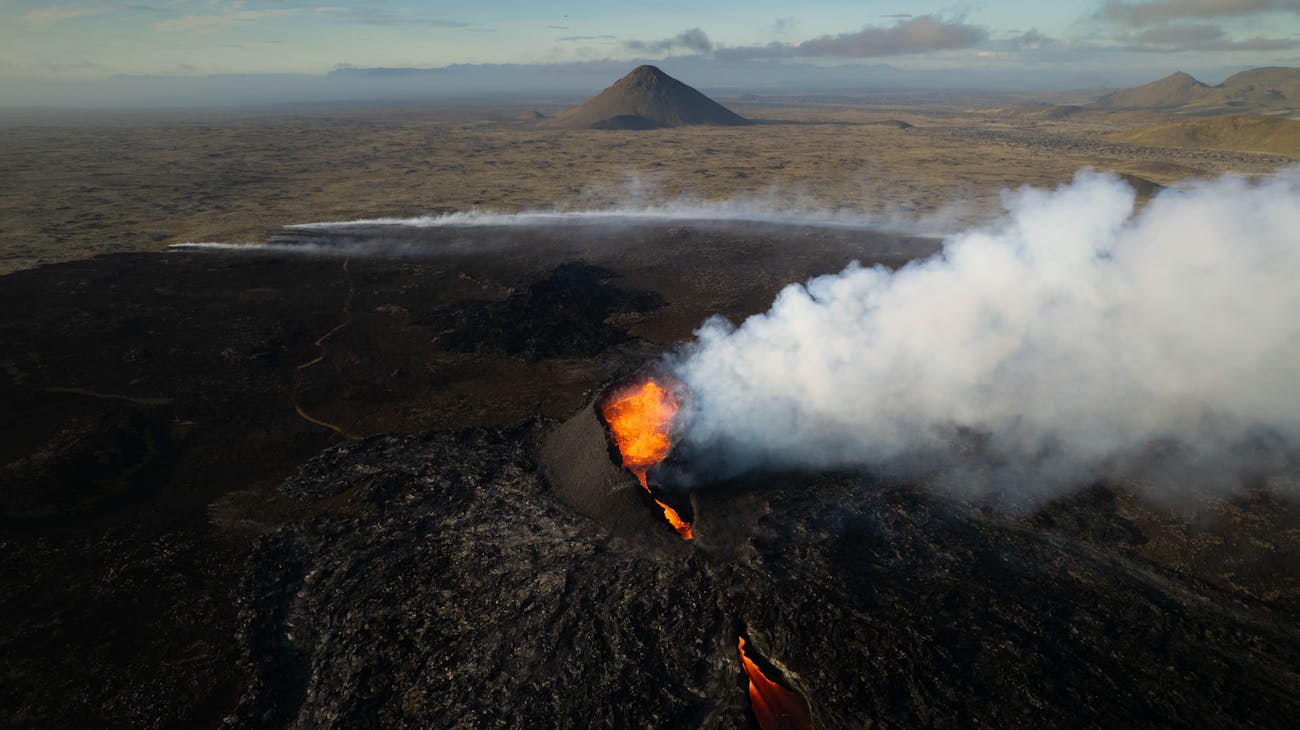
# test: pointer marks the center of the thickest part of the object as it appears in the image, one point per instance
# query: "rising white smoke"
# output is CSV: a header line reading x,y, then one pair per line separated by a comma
x,y
1080,338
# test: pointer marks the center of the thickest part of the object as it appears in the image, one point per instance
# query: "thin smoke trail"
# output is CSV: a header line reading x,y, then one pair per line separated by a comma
x,y
719,212
639,201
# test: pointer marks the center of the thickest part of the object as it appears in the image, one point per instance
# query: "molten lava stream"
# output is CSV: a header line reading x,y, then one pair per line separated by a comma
x,y
775,707
682,527
640,419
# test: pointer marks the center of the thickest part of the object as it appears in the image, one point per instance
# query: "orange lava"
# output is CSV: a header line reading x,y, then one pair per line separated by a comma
x,y
775,707
640,419
682,527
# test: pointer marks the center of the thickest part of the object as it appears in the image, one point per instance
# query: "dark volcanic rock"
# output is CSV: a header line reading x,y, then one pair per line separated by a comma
x,y
161,572
445,582
105,458
155,401
448,589
909,611
563,315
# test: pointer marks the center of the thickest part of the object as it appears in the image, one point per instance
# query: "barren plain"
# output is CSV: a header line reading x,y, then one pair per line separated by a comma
x,y
73,186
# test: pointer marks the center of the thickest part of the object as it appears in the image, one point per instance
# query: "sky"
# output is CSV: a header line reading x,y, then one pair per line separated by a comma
x,y
1094,39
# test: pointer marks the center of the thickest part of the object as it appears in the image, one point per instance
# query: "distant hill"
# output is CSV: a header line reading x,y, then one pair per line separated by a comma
x,y
1273,90
1260,89
1172,91
1240,132
645,99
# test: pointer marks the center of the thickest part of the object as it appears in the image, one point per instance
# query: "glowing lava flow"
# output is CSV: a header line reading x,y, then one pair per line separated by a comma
x,y
639,419
775,707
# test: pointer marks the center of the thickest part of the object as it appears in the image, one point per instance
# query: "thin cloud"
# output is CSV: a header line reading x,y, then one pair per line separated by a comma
x,y
579,38
221,21
1156,12
784,25
48,67
46,17
1203,38
693,40
1031,40
1182,34
915,35
378,16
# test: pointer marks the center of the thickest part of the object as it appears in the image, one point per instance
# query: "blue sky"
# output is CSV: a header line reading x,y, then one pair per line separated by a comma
x,y
96,37
101,38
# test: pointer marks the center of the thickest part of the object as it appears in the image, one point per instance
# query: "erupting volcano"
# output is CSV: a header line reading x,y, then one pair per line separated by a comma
x,y
775,707
640,419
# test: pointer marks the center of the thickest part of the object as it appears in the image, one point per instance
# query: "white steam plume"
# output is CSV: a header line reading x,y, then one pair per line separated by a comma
x,y
641,201
1077,339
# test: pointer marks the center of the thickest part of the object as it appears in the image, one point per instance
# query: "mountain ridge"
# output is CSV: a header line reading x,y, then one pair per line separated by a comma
x,y
1266,90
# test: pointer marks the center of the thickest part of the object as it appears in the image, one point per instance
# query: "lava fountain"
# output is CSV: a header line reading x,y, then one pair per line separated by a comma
x,y
640,417
774,706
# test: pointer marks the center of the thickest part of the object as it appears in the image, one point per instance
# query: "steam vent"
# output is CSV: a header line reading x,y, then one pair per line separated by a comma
x,y
640,420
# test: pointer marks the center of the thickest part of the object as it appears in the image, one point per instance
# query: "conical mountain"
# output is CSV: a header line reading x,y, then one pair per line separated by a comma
x,y
1172,91
645,99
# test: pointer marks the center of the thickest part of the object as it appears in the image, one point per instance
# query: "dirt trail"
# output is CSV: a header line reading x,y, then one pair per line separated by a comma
x,y
345,320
